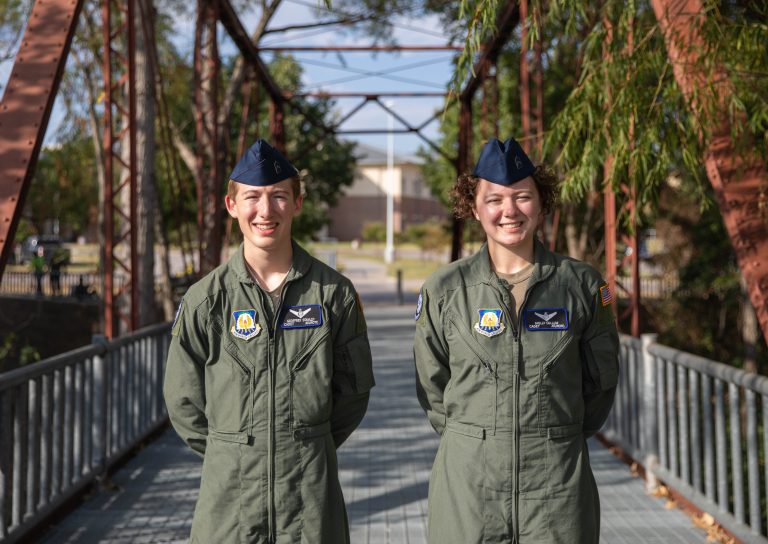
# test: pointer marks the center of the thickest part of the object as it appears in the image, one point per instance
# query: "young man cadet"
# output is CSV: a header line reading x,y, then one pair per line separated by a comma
x,y
268,372
516,355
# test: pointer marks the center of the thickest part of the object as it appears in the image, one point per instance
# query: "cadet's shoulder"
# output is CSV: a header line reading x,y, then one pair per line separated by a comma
x,y
329,278
453,276
209,286
577,272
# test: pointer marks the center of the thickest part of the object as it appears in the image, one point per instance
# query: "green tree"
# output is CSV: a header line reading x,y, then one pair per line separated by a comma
x,y
64,188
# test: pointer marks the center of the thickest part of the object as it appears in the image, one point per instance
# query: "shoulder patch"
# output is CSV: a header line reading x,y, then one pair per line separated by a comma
x,y
176,321
604,306
606,296
420,305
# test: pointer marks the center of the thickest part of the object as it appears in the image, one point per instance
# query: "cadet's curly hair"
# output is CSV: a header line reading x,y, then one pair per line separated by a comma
x,y
463,192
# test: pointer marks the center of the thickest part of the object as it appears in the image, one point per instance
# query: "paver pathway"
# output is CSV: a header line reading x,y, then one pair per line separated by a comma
x,y
384,473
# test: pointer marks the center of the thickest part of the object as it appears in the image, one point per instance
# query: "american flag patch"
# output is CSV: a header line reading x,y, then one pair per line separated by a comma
x,y
605,295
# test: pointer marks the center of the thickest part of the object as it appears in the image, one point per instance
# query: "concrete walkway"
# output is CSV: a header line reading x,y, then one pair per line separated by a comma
x,y
384,472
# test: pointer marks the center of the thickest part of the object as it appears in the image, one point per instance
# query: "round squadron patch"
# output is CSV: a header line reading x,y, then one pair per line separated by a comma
x,y
489,324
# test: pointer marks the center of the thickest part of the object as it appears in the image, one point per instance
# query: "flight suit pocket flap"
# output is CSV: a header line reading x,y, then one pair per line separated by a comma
x,y
600,354
353,364
563,431
466,430
312,431
239,438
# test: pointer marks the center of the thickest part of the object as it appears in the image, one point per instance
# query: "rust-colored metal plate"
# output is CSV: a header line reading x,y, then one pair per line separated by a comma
x,y
735,176
26,106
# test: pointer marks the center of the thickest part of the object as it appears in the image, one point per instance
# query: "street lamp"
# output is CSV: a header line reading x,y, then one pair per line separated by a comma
x,y
389,250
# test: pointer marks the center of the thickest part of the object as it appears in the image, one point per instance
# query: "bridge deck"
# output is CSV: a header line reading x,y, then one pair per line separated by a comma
x,y
384,472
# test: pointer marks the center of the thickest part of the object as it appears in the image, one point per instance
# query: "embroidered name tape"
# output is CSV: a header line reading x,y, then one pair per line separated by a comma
x,y
302,317
546,319
245,326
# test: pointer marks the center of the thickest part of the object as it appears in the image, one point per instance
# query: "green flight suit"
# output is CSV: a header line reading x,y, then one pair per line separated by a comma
x,y
514,405
268,401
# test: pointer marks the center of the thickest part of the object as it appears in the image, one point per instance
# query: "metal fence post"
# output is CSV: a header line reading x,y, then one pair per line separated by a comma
x,y
100,413
649,414
399,287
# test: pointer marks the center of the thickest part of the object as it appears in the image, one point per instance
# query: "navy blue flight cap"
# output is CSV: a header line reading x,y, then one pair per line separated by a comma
x,y
503,163
262,165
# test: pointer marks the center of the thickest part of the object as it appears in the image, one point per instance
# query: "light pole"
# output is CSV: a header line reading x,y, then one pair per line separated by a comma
x,y
389,250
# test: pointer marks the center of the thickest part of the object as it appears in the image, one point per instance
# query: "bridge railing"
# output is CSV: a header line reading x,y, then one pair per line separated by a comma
x,y
698,425
25,283
66,420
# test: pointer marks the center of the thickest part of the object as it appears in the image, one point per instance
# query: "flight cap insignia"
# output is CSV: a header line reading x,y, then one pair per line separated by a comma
x,y
253,167
503,163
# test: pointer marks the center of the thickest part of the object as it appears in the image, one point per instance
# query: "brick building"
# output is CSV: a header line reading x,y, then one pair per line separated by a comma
x,y
365,201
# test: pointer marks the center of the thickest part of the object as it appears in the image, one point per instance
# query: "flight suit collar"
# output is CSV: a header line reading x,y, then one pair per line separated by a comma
x,y
302,262
544,264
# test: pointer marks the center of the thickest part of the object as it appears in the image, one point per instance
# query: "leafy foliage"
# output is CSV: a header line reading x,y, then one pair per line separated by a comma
x,y
65,188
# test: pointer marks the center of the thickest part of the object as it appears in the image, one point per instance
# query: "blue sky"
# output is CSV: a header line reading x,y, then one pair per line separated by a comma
x,y
417,71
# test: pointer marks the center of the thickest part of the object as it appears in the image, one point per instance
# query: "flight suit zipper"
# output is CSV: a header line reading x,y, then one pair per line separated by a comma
x,y
517,335
271,453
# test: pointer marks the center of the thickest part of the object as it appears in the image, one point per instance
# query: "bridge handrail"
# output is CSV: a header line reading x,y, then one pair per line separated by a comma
x,y
66,420
693,422
24,373
715,369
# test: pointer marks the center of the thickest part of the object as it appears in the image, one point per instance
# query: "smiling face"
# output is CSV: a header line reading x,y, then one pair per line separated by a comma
x,y
264,214
509,214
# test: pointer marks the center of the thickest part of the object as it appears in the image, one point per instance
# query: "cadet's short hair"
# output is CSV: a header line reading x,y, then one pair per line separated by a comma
x,y
464,192
295,187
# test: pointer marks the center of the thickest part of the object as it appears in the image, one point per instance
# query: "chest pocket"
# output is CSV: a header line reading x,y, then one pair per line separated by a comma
x,y
470,396
310,372
231,379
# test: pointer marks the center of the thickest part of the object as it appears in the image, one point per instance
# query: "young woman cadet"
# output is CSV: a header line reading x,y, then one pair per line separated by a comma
x,y
516,355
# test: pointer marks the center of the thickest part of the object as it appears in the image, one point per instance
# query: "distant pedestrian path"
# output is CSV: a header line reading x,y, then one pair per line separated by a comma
x,y
384,473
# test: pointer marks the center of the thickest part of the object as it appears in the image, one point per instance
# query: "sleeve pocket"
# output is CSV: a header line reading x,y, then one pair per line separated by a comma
x,y
353,370
601,362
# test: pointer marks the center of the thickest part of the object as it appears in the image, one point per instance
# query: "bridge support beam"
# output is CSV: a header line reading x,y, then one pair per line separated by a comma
x,y
27,104
736,175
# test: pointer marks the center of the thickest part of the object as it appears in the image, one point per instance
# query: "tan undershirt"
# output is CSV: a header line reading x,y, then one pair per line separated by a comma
x,y
518,284
274,294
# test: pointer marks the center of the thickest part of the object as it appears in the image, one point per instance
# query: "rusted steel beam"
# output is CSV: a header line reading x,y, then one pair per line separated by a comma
x,y
462,166
121,306
525,85
736,176
505,23
26,106
250,52
209,176
362,48
369,96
